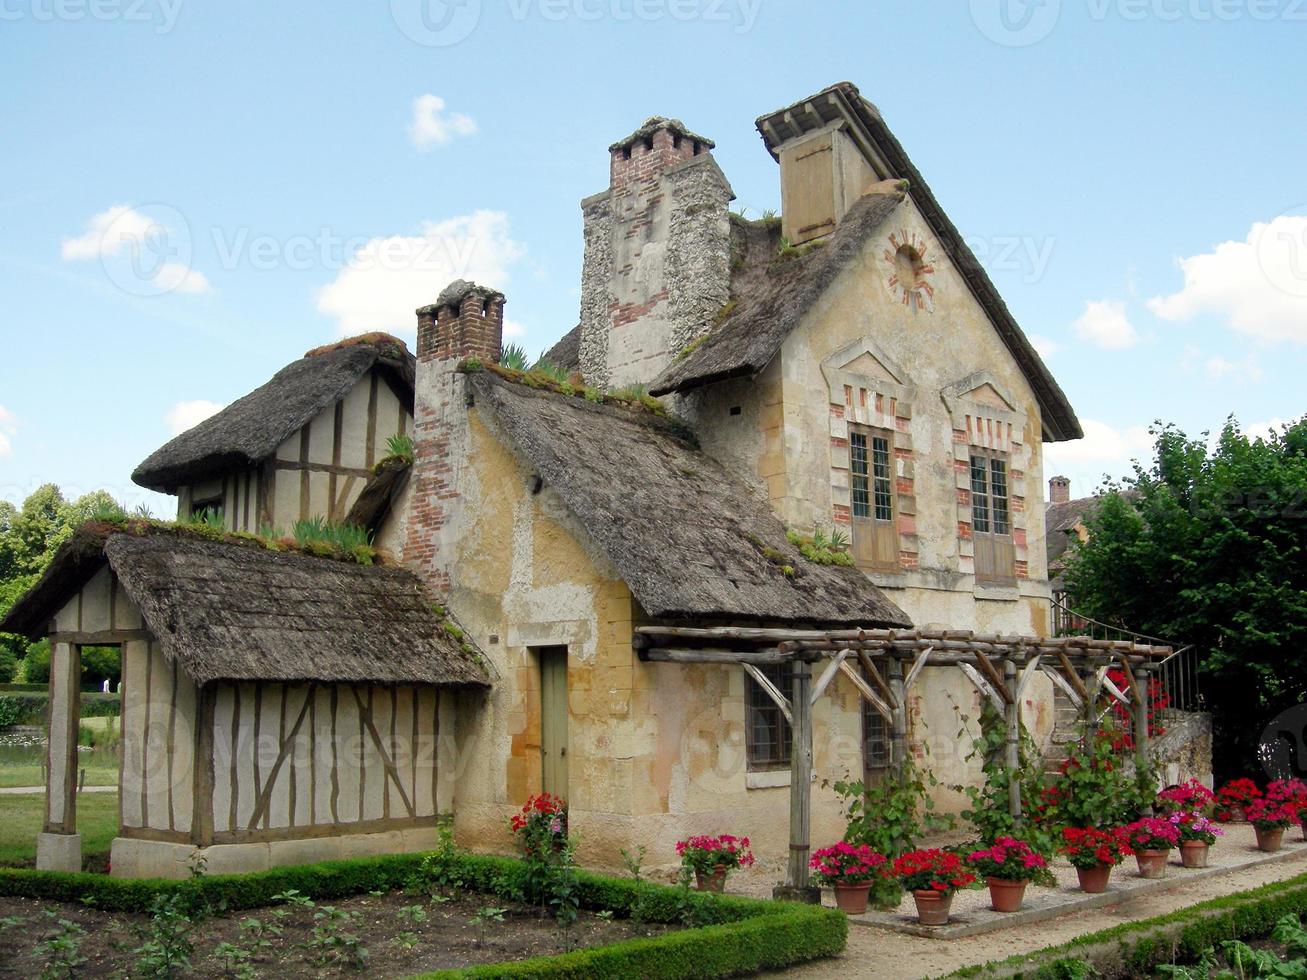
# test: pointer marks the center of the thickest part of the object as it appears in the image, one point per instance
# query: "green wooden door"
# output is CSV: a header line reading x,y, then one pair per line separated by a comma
x,y
553,720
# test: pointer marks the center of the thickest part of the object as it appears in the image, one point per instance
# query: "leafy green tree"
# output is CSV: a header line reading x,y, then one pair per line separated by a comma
x,y
1207,546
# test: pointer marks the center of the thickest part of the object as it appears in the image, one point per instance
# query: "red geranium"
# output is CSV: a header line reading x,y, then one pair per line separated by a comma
x,y
1152,834
704,853
1086,847
1234,796
931,870
1189,796
541,824
1011,860
1267,814
845,863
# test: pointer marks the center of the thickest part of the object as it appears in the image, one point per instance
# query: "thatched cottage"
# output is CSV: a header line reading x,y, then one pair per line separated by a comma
x,y
846,369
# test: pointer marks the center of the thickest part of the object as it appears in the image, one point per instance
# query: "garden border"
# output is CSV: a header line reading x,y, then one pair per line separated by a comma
x,y
740,935
1126,949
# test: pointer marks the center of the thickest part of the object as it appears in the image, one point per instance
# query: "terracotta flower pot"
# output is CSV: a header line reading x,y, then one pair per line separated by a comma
x,y
851,896
1269,839
711,881
932,906
1152,864
1303,825
1006,895
1093,881
1193,853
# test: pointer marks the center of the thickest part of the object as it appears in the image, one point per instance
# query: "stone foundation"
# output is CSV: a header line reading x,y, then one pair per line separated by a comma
x,y
133,858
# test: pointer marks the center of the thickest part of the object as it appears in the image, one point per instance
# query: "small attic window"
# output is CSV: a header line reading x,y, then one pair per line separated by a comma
x,y
909,265
735,409
676,141
648,144
626,153
696,147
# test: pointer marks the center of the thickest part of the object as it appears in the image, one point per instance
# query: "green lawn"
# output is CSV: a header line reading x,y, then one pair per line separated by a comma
x,y
97,822
98,773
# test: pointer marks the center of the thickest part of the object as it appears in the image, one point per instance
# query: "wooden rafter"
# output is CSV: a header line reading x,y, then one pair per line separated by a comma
x,y
1027,673
827,675
865,690
918,666
983,686
773,692
875,676
993,676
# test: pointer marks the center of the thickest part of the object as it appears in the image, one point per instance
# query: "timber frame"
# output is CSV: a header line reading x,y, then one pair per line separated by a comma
x,y
999,666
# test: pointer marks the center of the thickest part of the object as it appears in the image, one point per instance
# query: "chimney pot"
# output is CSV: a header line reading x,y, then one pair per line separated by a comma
x,y
1059,489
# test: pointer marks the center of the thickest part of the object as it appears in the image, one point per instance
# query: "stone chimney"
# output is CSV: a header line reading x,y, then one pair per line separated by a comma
x,y
656,268
466,321
1059,489
828,156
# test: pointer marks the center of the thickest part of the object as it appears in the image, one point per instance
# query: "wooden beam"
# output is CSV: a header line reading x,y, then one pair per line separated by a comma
x,y
983,686
881,684
827,675
781,700
676,655
917,667
865,690
1073,677
995,678
1116,692
1072,695
800,776
1130,679
1012,719
1026,674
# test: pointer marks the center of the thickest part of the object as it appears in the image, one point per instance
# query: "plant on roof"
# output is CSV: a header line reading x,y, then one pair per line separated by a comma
x,y
822,549
321,537
400,446
514,356
787,250
210,517
695,344
593,394
549,370
469,365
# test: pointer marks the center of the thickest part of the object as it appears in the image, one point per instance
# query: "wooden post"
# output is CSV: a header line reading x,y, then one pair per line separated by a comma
x,y
1012,711
899,726
1141,721
800,775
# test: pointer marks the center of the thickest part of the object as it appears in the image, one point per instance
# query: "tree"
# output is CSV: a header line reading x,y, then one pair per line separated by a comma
x,y
1207,547
29,537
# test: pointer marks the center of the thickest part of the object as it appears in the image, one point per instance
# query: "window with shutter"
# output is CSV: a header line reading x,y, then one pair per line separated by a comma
x,y
991,524
871,492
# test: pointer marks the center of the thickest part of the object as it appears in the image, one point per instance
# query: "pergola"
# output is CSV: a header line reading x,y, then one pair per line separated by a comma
x,y
892,660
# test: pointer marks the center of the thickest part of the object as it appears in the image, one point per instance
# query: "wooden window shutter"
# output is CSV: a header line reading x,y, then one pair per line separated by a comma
x,y
872,495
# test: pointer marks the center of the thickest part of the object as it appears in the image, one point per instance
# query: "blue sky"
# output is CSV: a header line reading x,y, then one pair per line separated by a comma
x,y
194,194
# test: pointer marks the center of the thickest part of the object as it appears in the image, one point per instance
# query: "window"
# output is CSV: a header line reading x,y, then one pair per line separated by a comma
x,y
991,523
875,739
210,505
766,732
871,492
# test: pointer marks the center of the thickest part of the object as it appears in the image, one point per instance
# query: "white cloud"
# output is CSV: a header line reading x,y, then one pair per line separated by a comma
x,y
1105,324
1258,285
176,277
107,233
513,329
388,278
1223,368
187,415
432,126
1045,346
8,427
1104,450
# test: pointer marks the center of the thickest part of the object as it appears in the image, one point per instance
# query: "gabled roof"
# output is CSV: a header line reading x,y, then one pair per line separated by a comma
x,y
843,102
251,428
566,354
226,610
688,538
770,295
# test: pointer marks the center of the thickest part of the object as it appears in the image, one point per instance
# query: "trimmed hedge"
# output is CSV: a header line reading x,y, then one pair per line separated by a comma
x,y
741,935
1137,947
28,707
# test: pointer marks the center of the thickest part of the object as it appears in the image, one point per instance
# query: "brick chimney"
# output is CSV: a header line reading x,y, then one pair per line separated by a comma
x,y
1059,489
657,254
466,321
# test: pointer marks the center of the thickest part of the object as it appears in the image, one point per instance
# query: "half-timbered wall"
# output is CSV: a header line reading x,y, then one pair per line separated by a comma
x,y
318,471
157,778
295,761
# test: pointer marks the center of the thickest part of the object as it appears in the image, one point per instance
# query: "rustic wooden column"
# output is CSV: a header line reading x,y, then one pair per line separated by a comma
x,y
899,723
1141,720
59,846
800,774
1012,715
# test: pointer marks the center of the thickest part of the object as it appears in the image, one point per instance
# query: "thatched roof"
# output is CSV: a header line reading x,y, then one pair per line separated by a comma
x,y
688,538
770,295
843,102
379,493
251,428
566,354
227,611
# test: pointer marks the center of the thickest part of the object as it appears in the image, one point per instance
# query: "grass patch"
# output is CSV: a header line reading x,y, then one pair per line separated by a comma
x,y
97,822
1135,948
